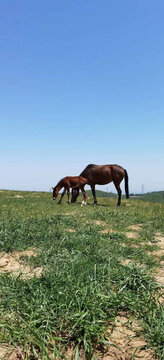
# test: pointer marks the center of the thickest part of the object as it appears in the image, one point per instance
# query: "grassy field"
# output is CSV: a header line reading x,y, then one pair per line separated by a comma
x,y
69,273
155,196
100,193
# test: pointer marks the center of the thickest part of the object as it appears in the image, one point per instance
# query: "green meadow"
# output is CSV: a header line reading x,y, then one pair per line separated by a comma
x,y
87,266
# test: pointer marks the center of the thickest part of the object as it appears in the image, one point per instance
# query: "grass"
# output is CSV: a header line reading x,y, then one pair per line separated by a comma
x,y
155,196
85,282
100,193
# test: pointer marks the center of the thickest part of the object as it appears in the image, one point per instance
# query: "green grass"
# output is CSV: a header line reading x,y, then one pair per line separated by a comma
x,y
85,283
100,193
154,196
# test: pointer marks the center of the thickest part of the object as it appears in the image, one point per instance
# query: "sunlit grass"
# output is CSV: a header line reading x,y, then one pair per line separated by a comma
x,y
86,281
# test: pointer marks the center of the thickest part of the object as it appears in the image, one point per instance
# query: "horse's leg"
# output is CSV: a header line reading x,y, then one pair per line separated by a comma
x,y
59,202
68,193
94,194
117,186
84,196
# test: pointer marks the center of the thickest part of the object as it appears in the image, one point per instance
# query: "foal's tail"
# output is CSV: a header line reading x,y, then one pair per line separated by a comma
x,y
126,184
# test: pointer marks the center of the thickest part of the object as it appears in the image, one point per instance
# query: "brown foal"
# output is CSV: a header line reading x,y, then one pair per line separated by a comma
x,y
70,182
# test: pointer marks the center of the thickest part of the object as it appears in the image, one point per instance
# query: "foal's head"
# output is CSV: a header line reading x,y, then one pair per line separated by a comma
x,y
55,193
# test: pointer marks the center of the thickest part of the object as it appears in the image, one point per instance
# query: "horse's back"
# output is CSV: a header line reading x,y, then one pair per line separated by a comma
x,y
120,170
74,181
102,174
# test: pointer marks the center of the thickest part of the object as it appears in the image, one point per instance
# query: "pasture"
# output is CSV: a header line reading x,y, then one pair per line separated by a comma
x,y
80,282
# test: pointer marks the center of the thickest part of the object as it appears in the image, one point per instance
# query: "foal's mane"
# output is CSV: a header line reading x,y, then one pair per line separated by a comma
x,y
59,181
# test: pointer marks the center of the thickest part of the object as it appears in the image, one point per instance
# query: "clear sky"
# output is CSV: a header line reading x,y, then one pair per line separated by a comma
x,y
81,81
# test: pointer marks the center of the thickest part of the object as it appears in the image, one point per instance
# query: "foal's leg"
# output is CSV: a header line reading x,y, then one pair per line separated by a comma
x,y
59,202
84,202
94,194
117,186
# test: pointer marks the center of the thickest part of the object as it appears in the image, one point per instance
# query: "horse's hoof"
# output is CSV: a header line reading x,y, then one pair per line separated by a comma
x,y
94,204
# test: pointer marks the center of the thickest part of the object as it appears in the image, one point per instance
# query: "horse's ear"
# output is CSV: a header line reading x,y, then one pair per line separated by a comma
x,y
52,187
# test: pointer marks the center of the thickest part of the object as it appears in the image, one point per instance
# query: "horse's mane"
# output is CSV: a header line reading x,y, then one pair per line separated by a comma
x,y
89,166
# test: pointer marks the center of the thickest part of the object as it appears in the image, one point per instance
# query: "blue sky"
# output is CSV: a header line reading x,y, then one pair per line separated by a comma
x,y
81,81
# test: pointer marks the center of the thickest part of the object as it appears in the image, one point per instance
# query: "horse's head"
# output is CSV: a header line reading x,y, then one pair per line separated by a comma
x,y
55,192
75,194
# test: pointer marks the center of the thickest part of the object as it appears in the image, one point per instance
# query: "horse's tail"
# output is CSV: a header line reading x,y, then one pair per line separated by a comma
x,y
126,184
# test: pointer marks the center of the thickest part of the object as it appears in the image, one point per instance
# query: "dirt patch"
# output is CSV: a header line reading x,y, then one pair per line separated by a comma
x,y
124,335
7,353
159,276
69,213
71,230
131,235
108,231
29,252
158,253
136,227
98,222
134,233
3,351
129,261
126,262
160,238
18,196
13,264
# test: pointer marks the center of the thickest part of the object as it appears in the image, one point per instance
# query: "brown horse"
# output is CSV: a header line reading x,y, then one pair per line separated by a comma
x,y
70,182
102,175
